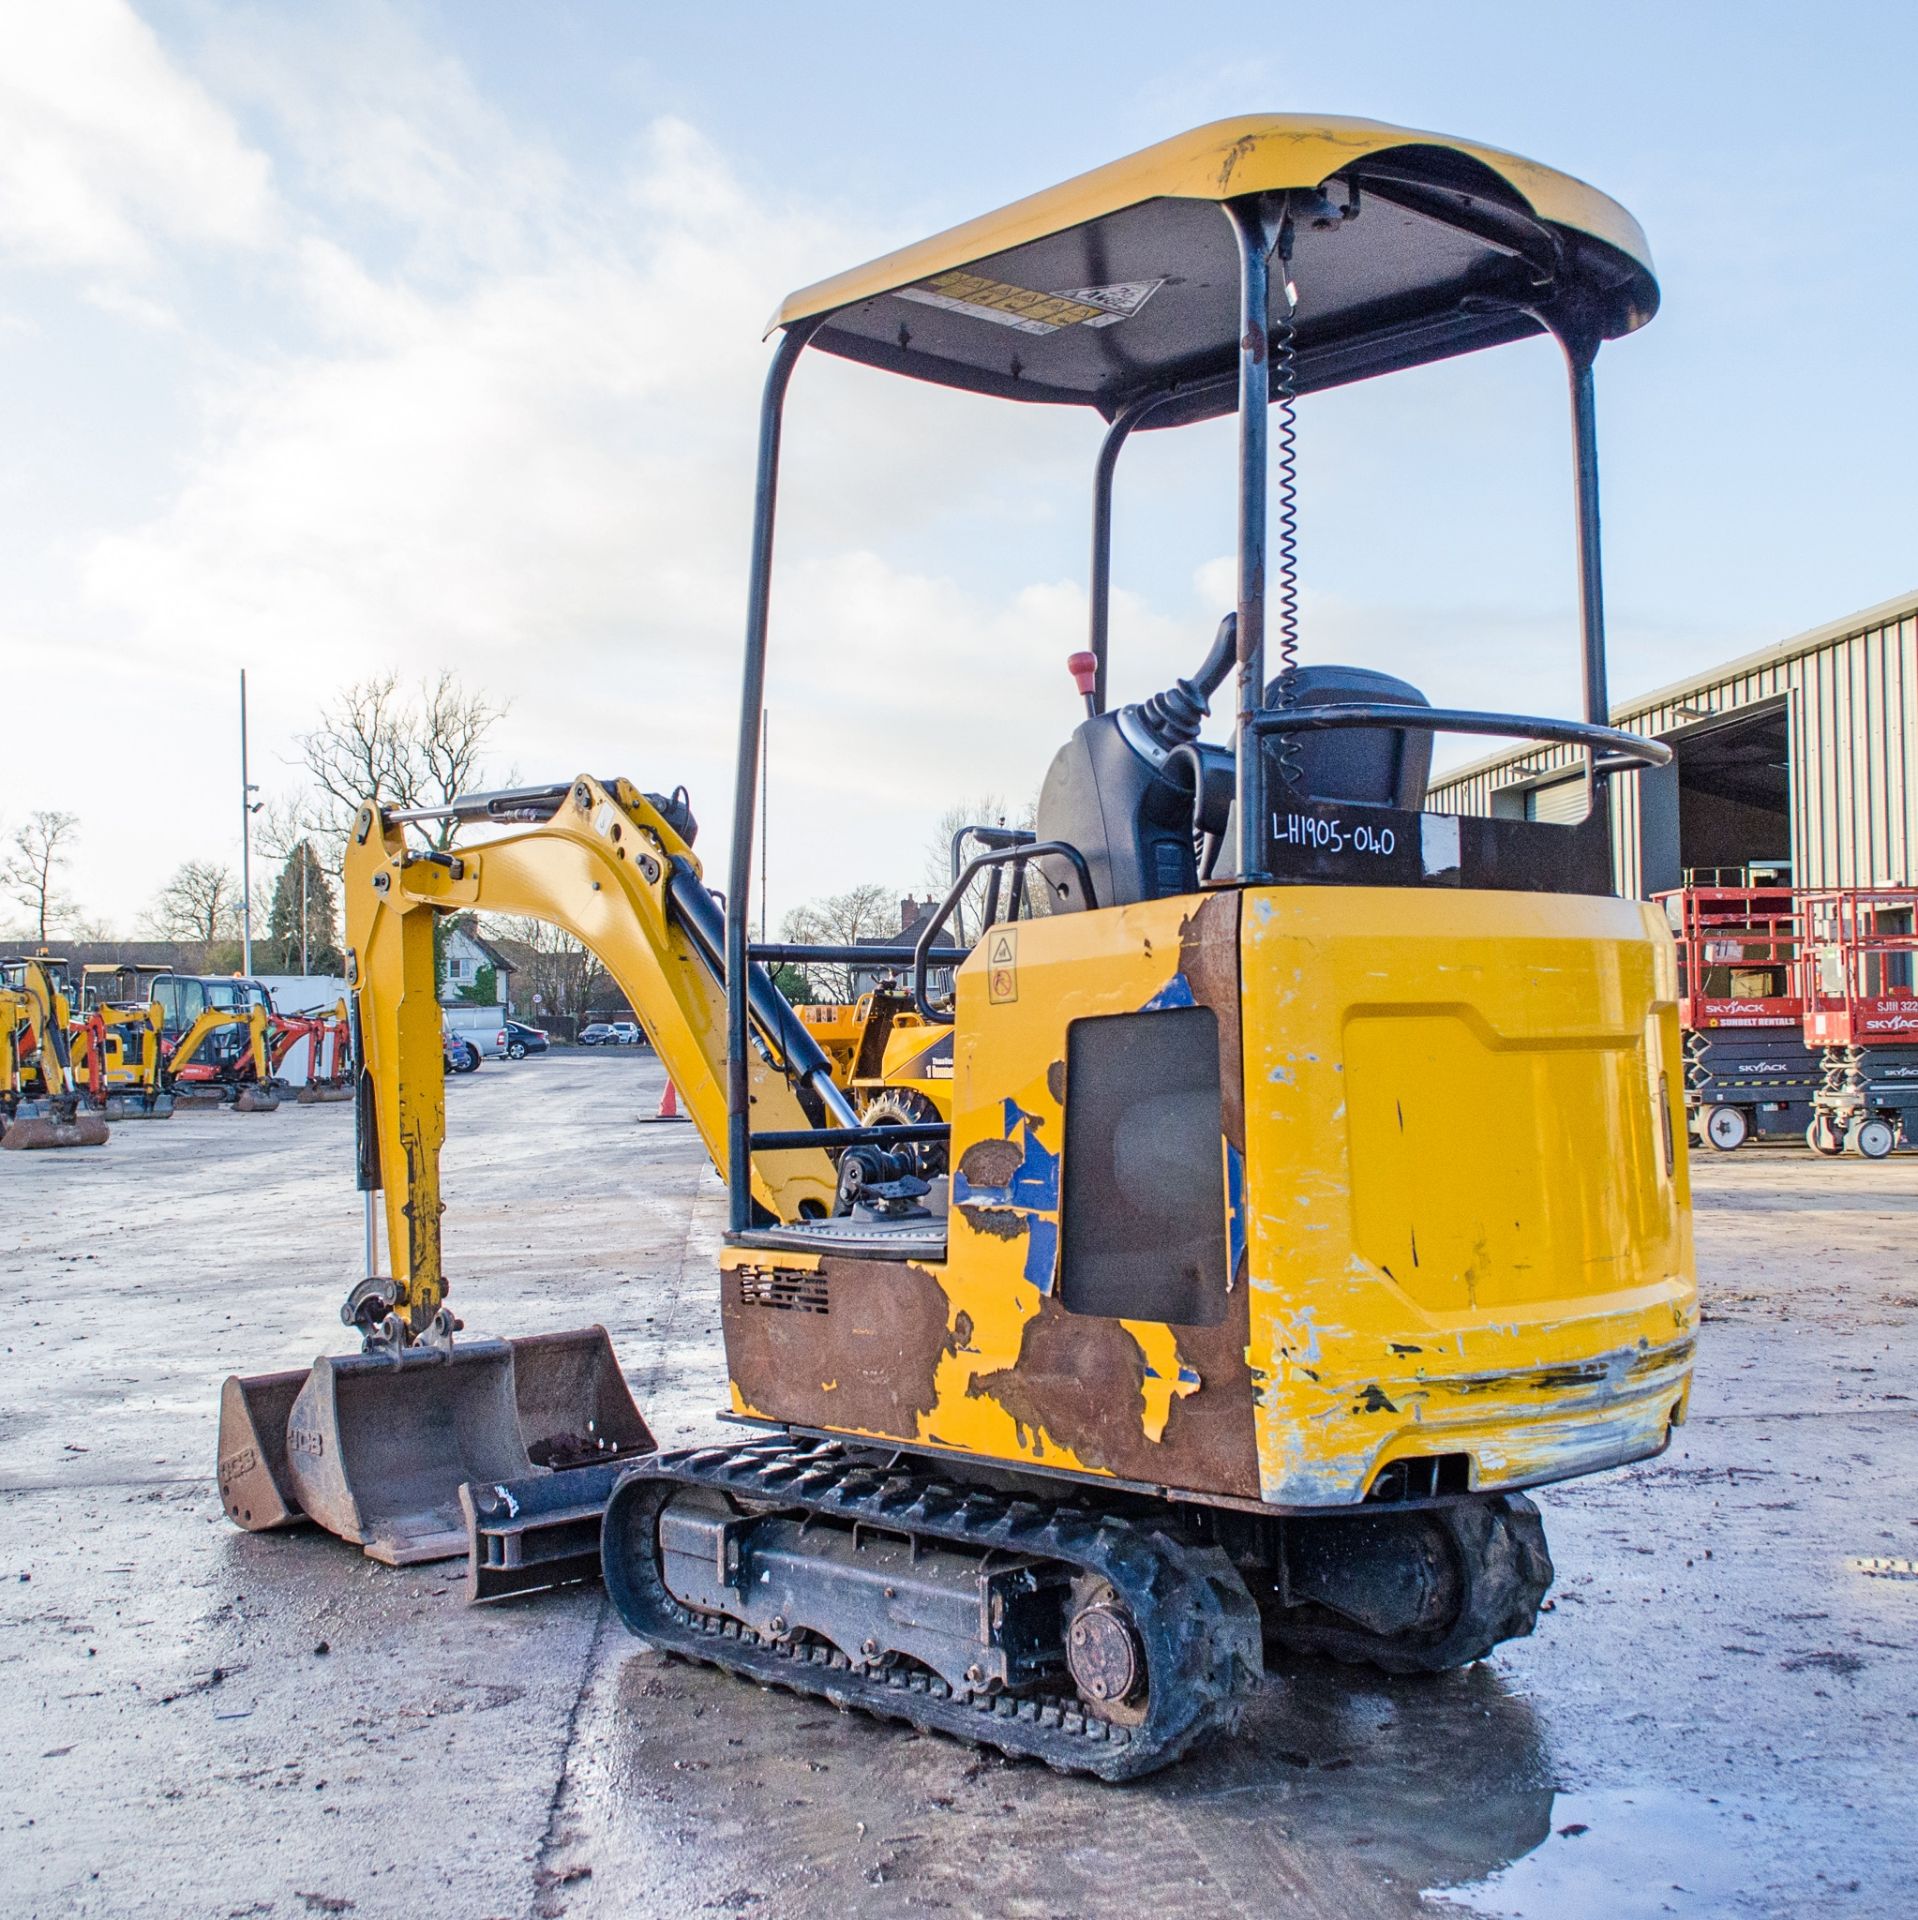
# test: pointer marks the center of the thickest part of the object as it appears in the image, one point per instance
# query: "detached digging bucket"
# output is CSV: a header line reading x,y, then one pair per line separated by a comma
x,y
376,1446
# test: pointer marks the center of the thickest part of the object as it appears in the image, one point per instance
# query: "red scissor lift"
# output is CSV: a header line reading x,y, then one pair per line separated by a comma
x,y
1748,1068
1859,977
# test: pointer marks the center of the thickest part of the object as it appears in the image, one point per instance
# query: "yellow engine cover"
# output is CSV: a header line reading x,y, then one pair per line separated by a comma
x,y
1456,1206
1468,1205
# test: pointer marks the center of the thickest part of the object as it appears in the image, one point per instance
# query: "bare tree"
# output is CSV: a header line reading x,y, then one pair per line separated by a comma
x,y
31,870
283,821
865,912
413,747
554,969
200,902
989,810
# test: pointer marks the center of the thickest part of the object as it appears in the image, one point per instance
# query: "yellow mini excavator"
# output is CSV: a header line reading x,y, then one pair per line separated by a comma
x,y
42,1101
117,1040
216,1043
1314,1189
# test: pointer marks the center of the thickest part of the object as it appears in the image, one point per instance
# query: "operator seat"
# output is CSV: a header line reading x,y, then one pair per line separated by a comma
x,y
1120,790
1358,766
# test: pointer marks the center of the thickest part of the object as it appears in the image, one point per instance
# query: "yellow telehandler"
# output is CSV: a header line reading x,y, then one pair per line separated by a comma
x,y
1314,1189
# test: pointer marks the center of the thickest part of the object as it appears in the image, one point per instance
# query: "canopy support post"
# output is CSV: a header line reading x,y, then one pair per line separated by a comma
x,y
1579,358
1099,588
752,699
1255,221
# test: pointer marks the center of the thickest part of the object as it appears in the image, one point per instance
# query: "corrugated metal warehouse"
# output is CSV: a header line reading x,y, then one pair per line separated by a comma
x,y
1797,760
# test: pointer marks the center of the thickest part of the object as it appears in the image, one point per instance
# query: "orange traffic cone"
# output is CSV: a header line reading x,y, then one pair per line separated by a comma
x,y
669,1104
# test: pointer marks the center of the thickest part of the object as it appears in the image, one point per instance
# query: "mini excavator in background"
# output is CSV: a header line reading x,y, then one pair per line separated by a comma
x,y
117,1042
1313,1186
42,1100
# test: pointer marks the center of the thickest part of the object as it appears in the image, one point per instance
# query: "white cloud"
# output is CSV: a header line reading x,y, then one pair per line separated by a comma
x,y
107,149
507,426
542,477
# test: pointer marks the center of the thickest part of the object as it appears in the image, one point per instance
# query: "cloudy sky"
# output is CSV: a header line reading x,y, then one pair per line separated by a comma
x,y
354,335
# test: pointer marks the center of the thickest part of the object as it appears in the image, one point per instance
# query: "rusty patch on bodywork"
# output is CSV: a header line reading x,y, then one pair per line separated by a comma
x,y
867,1364
1209,959
1080,1380
991,1163
1002,1223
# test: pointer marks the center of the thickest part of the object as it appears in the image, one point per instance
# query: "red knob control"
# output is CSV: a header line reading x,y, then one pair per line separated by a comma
x,y
1084,668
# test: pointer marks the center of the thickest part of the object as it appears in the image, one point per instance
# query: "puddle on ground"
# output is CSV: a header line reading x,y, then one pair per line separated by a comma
x,y
1623,1853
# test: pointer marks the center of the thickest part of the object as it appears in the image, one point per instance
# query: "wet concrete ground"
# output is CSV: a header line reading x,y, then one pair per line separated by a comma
x,y
1719,1715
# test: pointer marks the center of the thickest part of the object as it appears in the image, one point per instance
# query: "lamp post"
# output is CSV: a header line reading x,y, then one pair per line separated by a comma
x,y
248,808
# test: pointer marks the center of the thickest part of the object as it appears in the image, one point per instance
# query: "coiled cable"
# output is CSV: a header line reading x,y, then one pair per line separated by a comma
x,y
1285,394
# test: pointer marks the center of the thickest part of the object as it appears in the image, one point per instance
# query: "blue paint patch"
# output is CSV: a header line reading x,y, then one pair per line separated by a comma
x,y
1035,1182
1033,1190
1234,1207
1177,992
1042,1252
1187,1378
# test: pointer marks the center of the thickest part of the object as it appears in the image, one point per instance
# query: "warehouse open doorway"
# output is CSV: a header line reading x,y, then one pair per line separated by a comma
x,y
1734,795
1720,814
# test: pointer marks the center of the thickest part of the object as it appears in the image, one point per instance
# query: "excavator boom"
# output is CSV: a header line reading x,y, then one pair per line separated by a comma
x,y
377,1445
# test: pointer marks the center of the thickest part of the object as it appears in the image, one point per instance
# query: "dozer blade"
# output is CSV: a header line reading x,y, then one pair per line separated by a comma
x,y
127,1106
525,1535
376,1446
85,1129
313,1096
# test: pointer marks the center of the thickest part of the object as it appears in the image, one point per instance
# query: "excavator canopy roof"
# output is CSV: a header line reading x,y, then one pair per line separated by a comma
x,y
1123,283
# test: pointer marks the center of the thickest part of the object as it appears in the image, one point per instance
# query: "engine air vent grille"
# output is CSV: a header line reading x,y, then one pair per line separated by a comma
x,y
792,1289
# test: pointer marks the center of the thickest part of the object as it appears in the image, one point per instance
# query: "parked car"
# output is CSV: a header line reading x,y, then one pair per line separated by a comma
x,y
461,1054
517,1040
611,1033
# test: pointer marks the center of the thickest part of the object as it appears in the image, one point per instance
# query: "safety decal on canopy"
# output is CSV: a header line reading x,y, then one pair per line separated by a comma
x,y
1027,311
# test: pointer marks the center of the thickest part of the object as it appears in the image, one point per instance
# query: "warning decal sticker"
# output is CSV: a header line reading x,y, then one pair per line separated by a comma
x,y
1027,311
1002,966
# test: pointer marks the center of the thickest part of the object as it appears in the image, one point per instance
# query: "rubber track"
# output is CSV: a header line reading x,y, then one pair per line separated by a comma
x,y
1198,1622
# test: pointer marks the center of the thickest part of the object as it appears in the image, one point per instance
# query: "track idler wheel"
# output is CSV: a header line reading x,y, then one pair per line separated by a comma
x,y
1464,1577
